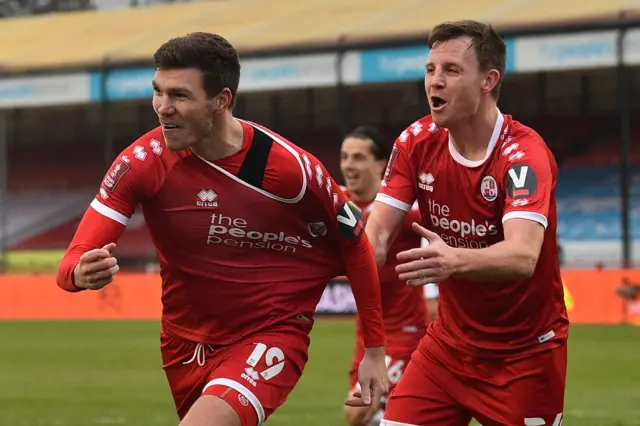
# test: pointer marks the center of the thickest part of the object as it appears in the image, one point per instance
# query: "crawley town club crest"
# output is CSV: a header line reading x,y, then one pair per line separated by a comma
x,y
489,188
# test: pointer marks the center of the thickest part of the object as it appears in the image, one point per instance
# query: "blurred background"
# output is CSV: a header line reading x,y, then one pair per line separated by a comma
x,y
75,90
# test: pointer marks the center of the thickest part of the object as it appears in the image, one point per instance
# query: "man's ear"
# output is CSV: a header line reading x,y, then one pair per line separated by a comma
x,y
491,81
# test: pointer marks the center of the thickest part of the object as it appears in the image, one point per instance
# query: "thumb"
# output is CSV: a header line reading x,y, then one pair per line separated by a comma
x,y
94,255
424,232
110,247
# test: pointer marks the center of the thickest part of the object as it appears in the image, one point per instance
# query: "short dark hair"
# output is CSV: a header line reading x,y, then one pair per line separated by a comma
x,y
210,53
489,46
380,148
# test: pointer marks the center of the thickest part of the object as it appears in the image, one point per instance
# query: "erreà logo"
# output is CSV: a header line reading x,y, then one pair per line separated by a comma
x,y
350,220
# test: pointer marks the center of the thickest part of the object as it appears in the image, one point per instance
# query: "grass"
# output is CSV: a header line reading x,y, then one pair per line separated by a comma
x,y
99,373
32,261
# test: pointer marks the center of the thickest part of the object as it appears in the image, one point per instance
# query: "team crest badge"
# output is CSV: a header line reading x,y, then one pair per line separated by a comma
x,y
489,188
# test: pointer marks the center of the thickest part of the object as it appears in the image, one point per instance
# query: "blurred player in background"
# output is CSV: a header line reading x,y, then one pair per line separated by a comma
x,y
363,158
486,185
248,229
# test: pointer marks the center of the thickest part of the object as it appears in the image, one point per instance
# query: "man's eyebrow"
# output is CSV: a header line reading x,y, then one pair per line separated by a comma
x,y
173,89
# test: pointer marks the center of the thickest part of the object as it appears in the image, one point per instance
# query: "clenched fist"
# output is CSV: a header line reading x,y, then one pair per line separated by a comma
x,y
96,268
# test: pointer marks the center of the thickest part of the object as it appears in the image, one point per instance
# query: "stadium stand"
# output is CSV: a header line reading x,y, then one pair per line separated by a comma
x,y
133,34
32,212
135,242
589,203
588,192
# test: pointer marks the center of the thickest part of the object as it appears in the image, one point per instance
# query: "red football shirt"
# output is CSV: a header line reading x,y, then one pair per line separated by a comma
x,y
235,258
466,203
403,307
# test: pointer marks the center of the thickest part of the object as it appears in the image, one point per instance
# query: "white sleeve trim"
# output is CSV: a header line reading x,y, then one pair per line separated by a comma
x,y
394,202
242,390
109,212
536,217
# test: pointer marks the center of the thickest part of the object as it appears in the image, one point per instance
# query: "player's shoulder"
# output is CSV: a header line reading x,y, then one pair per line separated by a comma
x,y
320,182
141,162
149,150
422,132
521,143
287,164
317,174
518,137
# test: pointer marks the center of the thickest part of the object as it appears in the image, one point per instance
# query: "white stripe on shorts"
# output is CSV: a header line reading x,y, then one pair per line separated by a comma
x,y
242,390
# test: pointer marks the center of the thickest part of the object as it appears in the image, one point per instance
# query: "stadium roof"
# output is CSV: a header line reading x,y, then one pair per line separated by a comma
x,y
81,39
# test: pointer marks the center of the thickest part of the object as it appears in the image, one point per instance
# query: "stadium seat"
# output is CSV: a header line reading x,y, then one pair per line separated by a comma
x,y
325,21
553,10
96,37
83,38
589,203
227,18
34,212
135,242
418,17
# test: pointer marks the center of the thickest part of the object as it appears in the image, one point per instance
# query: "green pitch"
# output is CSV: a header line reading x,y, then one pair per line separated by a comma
x,y
32,261
109,373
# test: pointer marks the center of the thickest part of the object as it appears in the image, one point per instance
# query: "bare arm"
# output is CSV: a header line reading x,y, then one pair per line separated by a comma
x,y
382,227
514,258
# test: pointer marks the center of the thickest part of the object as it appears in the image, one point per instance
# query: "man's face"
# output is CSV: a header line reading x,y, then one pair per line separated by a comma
x,y
453,81
185,111
361,170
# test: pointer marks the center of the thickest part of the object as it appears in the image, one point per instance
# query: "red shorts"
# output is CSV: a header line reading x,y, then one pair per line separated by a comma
x,y
254,375
400,346
443,388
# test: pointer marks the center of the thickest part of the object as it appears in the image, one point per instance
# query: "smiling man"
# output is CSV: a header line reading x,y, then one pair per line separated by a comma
x,y
486,188
248,228
363,158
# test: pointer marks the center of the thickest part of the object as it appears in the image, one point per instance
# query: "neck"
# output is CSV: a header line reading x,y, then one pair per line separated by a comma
x,y
366,196
471,137
224,139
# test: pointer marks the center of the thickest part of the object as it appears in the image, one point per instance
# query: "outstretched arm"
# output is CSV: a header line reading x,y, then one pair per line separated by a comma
x,y
383,225
512,259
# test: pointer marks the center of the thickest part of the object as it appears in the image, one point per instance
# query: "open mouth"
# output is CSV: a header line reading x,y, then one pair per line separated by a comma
x,y
169,126
437,103
351,182
351,176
